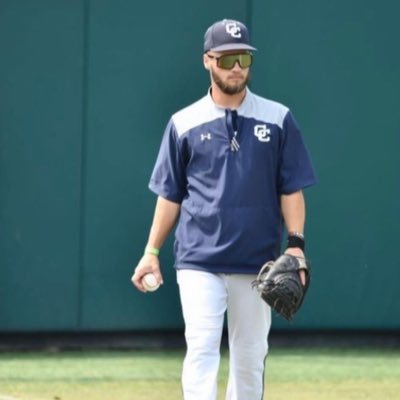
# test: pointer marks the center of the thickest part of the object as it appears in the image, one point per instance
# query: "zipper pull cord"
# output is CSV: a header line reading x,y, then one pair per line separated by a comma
x,y
233,119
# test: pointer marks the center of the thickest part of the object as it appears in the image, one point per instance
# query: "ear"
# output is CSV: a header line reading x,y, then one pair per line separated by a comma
x,y
206,62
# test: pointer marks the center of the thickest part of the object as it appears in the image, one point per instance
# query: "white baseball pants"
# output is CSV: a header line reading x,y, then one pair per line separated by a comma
x,y
205,297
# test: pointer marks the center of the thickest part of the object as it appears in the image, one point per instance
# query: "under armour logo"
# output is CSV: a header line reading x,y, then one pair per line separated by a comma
x,y
262,133
233,29
205,136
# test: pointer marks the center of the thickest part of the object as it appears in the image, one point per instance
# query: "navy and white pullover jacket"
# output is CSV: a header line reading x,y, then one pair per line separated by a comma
x,y
228,170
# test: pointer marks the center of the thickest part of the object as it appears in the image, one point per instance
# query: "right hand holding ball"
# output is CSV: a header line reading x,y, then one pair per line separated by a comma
x,y
150,283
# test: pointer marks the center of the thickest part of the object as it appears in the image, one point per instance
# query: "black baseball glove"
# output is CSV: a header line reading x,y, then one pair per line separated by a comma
x,y
280,285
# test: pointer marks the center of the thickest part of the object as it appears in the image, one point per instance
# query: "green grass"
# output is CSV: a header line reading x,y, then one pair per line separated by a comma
x,y
300,374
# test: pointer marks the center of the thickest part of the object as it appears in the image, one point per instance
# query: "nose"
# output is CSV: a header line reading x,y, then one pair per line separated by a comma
x,y
237,66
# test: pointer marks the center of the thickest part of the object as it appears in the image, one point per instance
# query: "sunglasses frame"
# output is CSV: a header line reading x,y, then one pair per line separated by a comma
x,y
232,54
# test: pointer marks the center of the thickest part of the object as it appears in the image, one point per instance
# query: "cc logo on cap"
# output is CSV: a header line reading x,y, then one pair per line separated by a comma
x,y
233,29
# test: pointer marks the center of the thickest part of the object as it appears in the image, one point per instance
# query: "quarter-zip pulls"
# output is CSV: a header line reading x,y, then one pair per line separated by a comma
x,y
232,125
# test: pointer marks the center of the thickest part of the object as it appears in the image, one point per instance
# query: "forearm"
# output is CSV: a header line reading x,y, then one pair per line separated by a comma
x,y
294,211
294,214
165,215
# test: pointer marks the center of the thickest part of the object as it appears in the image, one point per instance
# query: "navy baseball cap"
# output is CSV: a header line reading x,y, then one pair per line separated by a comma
x,y
227,34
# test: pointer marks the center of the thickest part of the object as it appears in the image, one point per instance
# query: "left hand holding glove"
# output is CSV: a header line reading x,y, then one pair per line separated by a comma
x,y
281,285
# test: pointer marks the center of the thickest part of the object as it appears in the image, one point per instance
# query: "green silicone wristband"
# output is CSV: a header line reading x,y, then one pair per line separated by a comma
x,y
152,250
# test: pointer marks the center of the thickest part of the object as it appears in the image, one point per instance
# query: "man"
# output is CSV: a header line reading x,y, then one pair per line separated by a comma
x,y
232,167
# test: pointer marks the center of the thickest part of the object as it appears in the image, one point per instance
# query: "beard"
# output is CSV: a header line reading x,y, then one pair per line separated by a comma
x,y
227,88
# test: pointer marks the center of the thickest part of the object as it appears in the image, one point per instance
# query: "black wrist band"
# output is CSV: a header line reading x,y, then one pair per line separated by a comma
x,y
296,241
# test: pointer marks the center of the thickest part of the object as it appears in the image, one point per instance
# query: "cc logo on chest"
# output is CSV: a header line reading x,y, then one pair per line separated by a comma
x,y
262,133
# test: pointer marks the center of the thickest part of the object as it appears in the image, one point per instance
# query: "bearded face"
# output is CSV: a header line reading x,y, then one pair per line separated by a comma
x,y
231,81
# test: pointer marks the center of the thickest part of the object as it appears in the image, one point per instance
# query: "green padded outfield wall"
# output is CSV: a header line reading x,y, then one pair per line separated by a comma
x,y
337,65
86,88
40,163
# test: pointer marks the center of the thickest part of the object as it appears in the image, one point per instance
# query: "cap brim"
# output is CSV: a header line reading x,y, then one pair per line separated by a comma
x,y
233,46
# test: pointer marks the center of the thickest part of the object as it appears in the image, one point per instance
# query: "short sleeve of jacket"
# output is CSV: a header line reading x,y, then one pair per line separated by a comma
x,y
295,167
168,179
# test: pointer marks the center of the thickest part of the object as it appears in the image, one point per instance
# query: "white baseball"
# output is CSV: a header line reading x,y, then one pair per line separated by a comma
x,y
150,283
